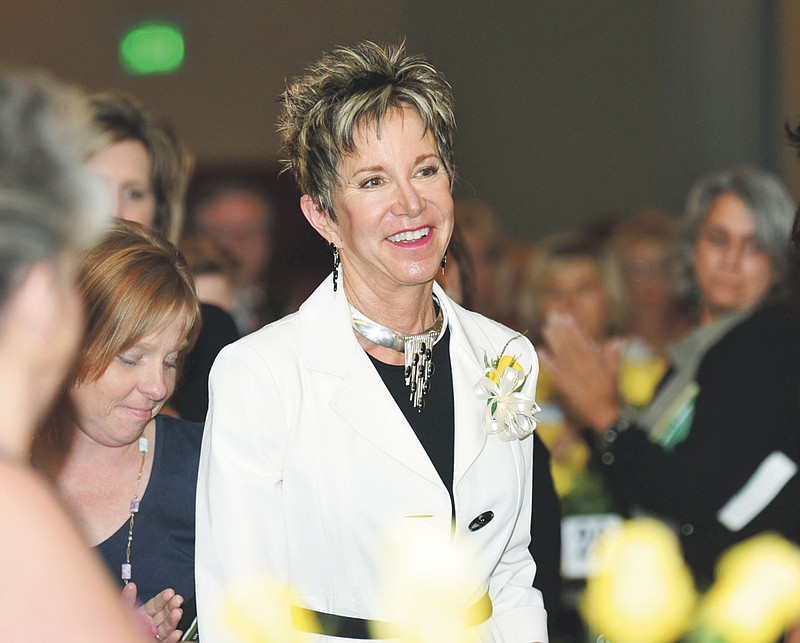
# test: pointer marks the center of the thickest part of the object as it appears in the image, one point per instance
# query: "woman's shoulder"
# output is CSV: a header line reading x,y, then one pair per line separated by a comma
x,y
31,499
17,480
174,429
177,454
484,329
773,324
270,338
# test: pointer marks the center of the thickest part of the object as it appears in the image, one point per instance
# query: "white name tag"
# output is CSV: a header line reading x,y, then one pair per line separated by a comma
x,y
578,537
760,490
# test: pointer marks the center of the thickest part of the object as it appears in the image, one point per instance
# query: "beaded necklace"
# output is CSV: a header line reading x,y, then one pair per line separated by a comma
x,y
126,566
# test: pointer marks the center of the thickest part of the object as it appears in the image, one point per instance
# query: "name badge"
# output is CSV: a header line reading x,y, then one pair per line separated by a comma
x,y
673,428
579,535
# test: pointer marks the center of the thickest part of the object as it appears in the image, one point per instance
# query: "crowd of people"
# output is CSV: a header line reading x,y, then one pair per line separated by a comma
x,y
174,428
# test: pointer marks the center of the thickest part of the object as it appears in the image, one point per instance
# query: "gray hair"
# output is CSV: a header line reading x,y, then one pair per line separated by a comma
x,y
346,88
49,202
769,204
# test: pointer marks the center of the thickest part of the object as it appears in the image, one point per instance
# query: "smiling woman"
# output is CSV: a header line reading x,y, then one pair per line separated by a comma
x,y
356,418
127,472
394,212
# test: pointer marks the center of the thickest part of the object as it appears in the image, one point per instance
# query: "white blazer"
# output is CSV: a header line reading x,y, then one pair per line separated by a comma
x,y
307,459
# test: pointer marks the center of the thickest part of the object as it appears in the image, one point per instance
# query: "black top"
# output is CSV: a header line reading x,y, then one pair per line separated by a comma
x,y
545,545
434,425
218,329
162,551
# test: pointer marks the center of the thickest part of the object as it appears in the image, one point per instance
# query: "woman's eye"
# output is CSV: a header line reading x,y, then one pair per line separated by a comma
x,y
372,182
128,360
430,170
133,194
716,238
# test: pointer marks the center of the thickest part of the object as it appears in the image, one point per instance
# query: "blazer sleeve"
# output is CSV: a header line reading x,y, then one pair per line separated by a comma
x,y
241,532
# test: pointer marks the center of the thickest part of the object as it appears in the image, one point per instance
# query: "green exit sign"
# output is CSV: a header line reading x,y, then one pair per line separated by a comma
x,y
152,48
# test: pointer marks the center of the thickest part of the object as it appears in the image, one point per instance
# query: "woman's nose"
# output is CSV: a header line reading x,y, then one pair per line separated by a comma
x,y
410,201
732,255
154,383
116,206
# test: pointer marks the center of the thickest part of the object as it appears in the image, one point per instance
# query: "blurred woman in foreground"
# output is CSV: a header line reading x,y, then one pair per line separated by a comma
x,y
52,587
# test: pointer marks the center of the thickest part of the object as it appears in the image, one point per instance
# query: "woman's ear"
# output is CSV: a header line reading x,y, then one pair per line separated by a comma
x,y
319,219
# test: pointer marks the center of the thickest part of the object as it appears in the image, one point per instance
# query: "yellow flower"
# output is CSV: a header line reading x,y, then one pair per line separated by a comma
x,y
757,592
258,611
504,362
642,591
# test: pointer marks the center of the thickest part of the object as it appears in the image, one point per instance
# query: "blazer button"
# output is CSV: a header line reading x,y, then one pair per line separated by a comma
x,y
481,521
687,529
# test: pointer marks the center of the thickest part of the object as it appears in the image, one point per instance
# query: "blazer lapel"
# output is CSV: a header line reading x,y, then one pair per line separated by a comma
x,y
467,359
361,398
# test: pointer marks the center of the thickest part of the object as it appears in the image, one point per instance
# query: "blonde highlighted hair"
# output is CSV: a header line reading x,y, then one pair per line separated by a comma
x,y
350,87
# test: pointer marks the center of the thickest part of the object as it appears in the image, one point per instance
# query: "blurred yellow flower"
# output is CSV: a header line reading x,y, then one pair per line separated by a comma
x,y
756,595
567,469
638,381
546,388
642,591
258,611
427,585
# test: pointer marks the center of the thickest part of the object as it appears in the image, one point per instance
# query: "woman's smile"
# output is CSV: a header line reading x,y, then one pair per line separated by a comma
x,y
416,237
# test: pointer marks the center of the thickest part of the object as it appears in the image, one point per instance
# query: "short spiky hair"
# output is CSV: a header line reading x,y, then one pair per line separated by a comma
x,y
350,86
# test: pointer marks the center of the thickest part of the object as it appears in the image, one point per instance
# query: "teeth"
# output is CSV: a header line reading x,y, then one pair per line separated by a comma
x,y
410,236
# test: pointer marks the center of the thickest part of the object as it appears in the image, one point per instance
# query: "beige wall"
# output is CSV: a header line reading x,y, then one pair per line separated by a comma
x,y
567,109
790,87
238,54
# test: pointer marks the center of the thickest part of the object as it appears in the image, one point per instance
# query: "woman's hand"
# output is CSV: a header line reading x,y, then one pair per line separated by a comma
x,y
160,615
585,373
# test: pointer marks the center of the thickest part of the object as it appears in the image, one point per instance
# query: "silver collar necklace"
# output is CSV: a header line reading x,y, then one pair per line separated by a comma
x,y
417,349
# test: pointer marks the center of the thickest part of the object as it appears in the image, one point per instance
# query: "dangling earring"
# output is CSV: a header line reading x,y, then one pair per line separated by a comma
x,y
444,261
335,252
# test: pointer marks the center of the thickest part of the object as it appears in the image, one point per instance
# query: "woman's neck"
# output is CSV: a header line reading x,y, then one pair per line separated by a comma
x,y
407,310
81,454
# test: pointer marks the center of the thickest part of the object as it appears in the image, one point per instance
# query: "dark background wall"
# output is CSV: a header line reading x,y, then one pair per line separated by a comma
x,y
567,109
